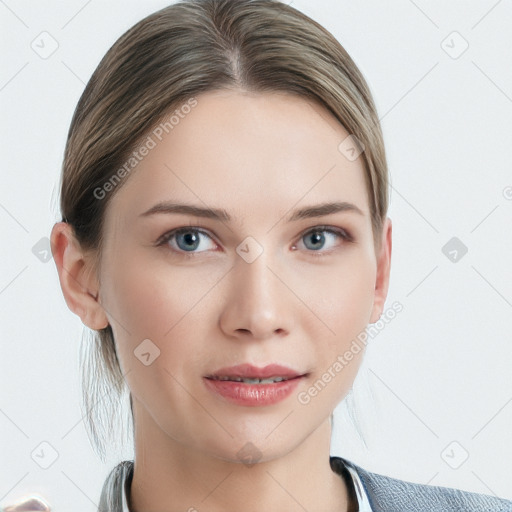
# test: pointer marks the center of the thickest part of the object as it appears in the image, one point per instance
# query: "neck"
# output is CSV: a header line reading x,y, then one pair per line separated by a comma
x,y
173,476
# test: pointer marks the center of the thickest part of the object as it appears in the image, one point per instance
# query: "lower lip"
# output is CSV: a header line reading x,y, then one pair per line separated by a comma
x,y
253,395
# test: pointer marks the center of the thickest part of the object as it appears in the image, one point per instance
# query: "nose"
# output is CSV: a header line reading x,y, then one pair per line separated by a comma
x,y
257,302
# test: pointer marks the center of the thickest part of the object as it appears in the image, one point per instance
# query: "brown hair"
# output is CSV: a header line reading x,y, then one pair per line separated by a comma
x,y
166,59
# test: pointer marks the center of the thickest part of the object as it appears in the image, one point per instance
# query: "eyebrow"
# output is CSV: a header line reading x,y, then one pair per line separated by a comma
x,y
308,212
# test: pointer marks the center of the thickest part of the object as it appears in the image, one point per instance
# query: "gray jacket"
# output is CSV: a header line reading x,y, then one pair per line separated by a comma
x,y
373,492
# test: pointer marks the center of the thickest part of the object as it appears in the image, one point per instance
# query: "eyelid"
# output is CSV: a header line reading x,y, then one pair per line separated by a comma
x,y
344,233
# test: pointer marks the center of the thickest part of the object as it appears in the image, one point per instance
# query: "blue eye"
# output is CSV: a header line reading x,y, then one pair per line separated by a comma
x,y
317,238
186,240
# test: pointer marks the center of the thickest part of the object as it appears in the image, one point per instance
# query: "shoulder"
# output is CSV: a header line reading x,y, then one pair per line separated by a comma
x,y
386,493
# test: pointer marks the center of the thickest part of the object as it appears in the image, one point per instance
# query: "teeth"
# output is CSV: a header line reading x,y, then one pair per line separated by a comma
x,y
252,381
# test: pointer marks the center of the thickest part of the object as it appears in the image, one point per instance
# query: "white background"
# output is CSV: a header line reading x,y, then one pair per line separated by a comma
x,y
439,372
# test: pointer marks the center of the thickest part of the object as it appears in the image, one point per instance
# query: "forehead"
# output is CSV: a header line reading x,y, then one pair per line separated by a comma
x,y
245,152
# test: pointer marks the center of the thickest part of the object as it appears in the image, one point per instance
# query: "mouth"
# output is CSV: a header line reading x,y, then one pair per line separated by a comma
x,y
249,374
270,380
248,386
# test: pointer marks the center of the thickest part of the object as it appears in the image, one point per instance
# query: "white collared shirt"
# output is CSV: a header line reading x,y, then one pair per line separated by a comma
x,y
362,498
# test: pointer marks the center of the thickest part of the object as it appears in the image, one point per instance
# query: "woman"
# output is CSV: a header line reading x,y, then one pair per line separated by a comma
x,y
224,199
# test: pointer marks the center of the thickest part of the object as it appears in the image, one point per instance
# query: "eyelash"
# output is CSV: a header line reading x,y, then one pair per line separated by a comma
x,y
342,233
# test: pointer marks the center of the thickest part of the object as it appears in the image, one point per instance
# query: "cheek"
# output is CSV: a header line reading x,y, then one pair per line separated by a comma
x,y
346,309
154,298
157,303
347,297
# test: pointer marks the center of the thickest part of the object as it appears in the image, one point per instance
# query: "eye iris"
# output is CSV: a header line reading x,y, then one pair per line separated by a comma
x,y
189,237
318,237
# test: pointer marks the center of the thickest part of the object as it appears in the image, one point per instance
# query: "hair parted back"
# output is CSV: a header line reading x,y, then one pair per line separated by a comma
x,y
175,54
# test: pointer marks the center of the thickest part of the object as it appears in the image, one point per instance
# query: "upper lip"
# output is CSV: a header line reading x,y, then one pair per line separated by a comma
x,y
248,371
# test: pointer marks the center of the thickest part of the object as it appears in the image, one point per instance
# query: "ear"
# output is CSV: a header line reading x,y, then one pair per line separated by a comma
x,y
77,277
383,270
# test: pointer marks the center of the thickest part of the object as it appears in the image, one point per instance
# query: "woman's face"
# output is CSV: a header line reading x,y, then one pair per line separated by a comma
x,y
256,288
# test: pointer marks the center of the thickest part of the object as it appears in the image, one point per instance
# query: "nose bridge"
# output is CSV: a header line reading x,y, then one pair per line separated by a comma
x,y
252,273
256,303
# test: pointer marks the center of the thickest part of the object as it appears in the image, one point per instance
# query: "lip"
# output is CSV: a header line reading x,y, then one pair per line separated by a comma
x,y
248,371
252,395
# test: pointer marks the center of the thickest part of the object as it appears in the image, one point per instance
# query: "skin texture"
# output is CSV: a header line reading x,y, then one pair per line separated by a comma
x,y
259,156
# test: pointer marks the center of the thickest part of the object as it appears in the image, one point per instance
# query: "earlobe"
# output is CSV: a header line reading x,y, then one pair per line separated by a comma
x,y
383,272
77,280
